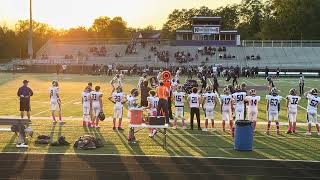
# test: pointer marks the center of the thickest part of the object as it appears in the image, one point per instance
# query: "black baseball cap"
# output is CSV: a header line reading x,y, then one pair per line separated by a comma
x,y
25,81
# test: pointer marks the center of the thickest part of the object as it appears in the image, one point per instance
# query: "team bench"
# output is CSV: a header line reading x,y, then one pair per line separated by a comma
x,y
19,126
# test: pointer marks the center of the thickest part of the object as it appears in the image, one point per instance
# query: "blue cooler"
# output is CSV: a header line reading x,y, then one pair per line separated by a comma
x,y
243,136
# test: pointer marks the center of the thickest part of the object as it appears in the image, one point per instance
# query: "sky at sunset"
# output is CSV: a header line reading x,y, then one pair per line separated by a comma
x,y
72,13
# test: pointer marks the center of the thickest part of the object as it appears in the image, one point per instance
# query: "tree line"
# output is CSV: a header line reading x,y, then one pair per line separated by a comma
x,y
257,19
13,41
254,19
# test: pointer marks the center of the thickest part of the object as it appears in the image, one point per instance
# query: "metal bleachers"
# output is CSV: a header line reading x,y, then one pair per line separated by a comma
x,y
284,57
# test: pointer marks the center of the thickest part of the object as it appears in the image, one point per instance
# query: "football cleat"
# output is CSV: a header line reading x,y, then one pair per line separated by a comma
x,y
308,133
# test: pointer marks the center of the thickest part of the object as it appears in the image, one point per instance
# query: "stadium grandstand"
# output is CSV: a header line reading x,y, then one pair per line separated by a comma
x,y
207,43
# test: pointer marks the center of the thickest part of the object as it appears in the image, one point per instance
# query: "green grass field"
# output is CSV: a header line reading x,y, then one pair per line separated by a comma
x,y
184,143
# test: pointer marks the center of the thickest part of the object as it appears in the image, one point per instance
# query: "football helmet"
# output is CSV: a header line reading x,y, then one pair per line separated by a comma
x,y
252,92
274,91
292,91
101,116
314,91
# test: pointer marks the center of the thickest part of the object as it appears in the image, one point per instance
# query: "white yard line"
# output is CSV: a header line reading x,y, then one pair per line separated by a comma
x,y
161,156
50,110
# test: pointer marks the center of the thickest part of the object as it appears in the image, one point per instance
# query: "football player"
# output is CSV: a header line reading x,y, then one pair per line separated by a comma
x,y
55,101
179,97
86,106
117,80
292,110
226,108
253,101
97,106
118,99
177,76
239,97
312,109
209,103
273,108
132,100
153,102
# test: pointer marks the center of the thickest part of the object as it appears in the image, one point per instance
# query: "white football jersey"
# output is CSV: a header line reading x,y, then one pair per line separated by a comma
x,y
253,102
274,102
95,97
118,97
293,102
131,100
179,98
209,99
86,99
313,102
239,99
226,102
54,92
154,101
194,100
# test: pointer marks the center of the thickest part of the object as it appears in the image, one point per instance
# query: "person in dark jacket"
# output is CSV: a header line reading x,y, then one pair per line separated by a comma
x,y
144,93
24,93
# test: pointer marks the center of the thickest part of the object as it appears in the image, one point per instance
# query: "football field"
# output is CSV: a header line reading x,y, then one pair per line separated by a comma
x,y
214,143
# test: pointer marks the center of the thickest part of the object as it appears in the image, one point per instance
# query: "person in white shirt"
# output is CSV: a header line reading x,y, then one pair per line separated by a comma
x,y
97,106
132,100
117,81
292,110
273,108
177,76
239,97
153,102
312,109
86,106
55,102
226,108
118,99
209,104
252,102
179,97
194,103
174,84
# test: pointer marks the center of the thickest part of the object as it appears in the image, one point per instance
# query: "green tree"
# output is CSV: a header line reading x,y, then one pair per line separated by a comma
x,y
117,28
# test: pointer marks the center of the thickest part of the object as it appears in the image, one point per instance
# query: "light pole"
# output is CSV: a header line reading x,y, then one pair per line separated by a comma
x,y
30,49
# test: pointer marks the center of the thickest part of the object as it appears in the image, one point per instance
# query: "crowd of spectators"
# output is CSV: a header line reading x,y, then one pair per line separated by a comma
x,y
253,57
250,71
160,55
163,56
131,48
67,56
227,56
44,56
182,57
211,51
102,51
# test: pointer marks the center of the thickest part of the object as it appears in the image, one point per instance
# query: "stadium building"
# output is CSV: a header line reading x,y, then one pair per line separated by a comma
x,y
207,31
